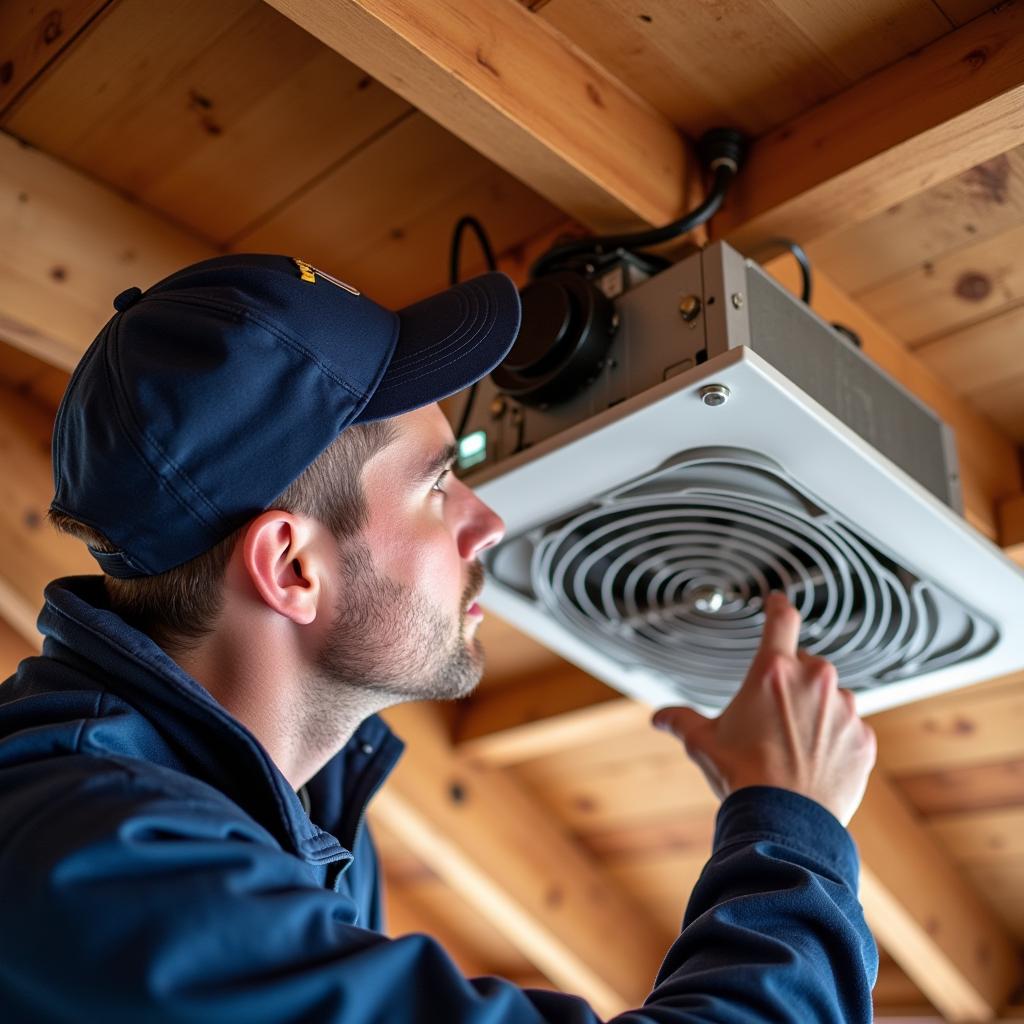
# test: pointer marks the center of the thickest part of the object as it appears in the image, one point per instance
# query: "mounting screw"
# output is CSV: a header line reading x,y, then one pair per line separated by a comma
x,y
737,300
689,308
714,394
497,407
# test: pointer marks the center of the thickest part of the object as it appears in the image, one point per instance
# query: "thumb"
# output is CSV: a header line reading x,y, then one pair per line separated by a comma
x,y
684,722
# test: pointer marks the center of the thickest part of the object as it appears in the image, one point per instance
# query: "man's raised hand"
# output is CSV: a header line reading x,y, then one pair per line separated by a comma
x,y
789,725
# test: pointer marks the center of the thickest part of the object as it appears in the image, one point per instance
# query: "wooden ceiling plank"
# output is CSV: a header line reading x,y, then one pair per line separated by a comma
x,y
974,207
962,11
405,914
975,358
34,553
963,790
973,730
70,245
522,95
982,837
494,845
954,291
250,108
540,713
948,107
33,36
927,916
476,945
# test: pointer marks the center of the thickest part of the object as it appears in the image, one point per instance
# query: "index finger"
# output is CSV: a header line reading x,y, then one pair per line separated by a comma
x,y
781,626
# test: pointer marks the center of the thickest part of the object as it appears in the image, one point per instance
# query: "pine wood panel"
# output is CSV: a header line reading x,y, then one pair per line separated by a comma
x,y
1002,886
982,837
522,95
972,207
962,790
661,882
962,11
476,945
952,291
693,61
69,246
617,783
971,730
920,907
33,553
249,109
32,34
395,203
985,363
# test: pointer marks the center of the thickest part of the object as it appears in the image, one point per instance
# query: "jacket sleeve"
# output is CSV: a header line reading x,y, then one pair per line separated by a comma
x,y
122,905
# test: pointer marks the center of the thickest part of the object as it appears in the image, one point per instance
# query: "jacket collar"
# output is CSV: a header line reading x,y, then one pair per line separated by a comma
x,y
199,735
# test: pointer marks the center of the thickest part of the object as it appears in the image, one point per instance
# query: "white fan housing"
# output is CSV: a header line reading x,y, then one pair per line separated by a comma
x,y
642,537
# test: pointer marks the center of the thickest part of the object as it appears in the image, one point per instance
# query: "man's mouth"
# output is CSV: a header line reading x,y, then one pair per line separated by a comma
x,y
475,610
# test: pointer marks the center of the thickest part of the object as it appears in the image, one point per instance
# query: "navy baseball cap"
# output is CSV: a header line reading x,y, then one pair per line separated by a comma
x,y
206,395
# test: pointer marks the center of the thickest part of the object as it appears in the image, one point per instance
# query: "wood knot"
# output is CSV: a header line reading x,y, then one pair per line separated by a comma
x,y
52,27
976,58
457,792
594,96
6,72
485,63
973,287
59,273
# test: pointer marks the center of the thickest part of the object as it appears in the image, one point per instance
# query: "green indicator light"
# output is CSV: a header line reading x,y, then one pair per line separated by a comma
x,y
472,449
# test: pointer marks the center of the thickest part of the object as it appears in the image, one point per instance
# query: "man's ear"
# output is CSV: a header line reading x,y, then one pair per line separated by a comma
x,y
285,566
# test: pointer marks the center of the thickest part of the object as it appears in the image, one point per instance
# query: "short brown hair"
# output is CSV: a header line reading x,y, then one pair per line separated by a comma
x,y
179,607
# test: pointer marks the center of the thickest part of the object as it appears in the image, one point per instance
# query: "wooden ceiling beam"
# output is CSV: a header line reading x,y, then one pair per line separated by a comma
x,y
488,839
926,914
926,118
516,90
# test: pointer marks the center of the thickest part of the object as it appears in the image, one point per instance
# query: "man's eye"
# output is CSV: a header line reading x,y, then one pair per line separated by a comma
x,y
440,481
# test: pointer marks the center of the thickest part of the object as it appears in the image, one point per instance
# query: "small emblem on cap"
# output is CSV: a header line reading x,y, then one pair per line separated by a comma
x,y
309,273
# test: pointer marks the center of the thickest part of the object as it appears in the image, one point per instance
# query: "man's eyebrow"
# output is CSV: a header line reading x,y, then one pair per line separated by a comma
x,y
440,460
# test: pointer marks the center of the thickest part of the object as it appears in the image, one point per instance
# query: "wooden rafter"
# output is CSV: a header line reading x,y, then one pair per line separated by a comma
x,y
519,92
926,914
488,839
920,121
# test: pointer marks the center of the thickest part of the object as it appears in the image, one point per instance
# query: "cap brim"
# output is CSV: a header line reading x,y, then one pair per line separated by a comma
x,y
445,343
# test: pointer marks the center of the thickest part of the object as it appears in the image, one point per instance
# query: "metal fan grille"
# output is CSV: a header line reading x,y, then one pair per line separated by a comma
x,y
669,573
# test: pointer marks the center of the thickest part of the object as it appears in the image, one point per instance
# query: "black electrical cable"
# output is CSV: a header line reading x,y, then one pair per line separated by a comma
x,y
801,258
805,276
454,259
601,244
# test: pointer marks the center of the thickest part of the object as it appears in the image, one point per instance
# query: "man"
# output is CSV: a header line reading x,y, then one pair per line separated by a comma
x,y
254,454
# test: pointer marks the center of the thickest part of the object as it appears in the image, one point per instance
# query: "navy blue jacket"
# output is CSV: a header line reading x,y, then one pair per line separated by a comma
x,y
155,866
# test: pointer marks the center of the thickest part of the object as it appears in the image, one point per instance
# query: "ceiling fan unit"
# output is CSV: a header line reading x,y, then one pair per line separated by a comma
x,y
666,451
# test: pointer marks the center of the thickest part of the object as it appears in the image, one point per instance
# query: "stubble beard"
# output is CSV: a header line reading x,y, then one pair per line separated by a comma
x,y
388,644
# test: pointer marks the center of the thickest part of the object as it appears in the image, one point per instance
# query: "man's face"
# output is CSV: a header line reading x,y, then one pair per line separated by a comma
x,y
406,615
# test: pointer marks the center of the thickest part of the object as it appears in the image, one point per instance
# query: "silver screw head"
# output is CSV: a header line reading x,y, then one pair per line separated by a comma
x,y
689,308
714,394
737,300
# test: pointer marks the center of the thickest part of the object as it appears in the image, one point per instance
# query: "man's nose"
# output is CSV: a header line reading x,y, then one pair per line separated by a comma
x,y
482,529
